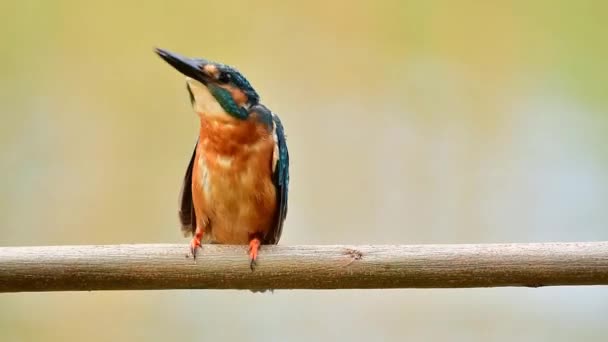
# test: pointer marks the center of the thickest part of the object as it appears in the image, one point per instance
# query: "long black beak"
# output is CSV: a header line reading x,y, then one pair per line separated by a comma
x,y
187,66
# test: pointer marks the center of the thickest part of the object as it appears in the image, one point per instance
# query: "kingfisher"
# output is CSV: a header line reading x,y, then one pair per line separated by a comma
x,y
235,187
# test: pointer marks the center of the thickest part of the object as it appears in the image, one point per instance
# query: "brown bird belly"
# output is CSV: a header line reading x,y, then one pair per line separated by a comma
x,y
233,193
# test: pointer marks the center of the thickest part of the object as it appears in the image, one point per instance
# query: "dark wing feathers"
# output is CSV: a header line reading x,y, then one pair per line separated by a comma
x,y
187,216
280,180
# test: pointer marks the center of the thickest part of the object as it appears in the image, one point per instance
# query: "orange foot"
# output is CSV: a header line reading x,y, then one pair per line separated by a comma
x,y
254,247
195,243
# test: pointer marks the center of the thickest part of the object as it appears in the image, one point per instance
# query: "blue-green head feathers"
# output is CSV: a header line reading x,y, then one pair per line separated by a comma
x,y
224,98
230,75
227,75
216,77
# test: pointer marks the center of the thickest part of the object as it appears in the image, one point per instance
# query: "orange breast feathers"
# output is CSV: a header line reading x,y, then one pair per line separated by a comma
x,y
232,189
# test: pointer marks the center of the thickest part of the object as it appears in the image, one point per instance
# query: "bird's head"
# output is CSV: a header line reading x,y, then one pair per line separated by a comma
x,y
215,88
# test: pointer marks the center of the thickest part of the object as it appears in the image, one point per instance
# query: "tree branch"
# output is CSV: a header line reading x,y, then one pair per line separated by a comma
x,y
146,267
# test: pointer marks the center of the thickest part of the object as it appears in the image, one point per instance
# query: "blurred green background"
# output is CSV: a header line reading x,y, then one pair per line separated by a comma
x,y
407,122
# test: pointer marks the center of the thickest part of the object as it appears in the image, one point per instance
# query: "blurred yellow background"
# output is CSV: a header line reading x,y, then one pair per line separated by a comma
x,y
407,122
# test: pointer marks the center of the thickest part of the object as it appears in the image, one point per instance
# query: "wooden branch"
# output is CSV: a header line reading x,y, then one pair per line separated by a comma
x,y
146,267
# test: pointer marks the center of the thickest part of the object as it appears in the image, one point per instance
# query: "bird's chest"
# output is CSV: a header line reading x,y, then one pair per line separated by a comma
x,y
228,181
233,188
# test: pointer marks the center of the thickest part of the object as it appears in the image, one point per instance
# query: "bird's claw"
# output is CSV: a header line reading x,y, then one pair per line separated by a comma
x,y
194,245
254,247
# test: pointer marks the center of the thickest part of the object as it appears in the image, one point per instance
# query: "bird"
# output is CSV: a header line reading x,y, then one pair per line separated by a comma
x,y
236,184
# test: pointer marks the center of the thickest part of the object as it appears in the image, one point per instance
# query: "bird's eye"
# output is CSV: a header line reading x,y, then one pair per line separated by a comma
x,y
224,77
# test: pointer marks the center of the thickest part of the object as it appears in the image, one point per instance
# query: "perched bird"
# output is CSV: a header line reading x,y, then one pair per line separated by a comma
x,y
235,187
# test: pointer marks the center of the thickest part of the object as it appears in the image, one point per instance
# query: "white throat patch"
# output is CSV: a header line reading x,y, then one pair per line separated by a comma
x,y
204,102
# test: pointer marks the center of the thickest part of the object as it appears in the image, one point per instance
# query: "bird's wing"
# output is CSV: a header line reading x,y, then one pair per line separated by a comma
x,y
280,178
187,216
